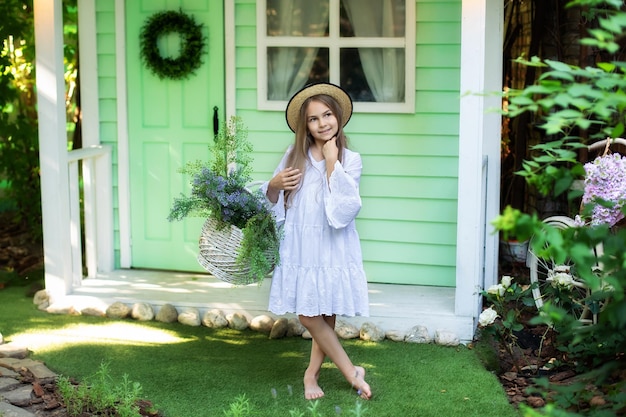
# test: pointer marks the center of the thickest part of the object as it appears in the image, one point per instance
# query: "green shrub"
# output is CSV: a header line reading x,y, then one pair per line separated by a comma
x,y
101,395
577,106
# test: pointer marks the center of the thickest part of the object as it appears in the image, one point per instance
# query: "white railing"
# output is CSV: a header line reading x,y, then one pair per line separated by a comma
x,y
93,166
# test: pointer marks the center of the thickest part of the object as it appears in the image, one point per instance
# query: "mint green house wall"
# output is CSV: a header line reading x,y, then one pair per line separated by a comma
x,y
410,161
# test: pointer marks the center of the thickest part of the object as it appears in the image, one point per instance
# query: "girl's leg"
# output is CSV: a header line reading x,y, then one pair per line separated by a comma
x,y
328,342
312,390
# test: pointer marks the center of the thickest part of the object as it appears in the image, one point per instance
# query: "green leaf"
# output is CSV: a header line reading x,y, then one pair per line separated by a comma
x,y
578,90
583,123
606,66
562,184
615,23
558,75
559,66
618,130
567,114
522,101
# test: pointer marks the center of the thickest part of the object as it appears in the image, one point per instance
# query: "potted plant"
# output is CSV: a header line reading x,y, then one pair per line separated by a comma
x,y
239,240
512,249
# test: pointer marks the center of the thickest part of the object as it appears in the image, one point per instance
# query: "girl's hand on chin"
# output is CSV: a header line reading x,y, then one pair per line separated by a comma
x,y
330,150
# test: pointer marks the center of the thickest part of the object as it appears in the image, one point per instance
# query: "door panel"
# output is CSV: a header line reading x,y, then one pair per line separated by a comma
x,y
170,123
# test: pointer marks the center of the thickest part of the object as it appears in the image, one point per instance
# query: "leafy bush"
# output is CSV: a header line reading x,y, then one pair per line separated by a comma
x,y
19,149
503,318
578,106
101,395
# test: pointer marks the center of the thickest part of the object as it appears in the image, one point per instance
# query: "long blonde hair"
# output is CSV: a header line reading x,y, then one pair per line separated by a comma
x,y
299,155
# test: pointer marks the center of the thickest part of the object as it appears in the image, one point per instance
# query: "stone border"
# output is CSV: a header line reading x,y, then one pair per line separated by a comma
x,y
275,328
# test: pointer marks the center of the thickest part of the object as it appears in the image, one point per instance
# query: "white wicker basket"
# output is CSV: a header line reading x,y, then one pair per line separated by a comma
x,y
218,253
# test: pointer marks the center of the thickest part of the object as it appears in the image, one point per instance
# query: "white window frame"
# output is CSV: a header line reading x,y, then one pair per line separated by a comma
x,y
335,43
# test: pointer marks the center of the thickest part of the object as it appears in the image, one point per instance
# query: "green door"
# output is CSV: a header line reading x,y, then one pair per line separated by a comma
x,y
170,122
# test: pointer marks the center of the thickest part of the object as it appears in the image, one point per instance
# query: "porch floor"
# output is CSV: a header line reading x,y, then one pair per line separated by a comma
x,y
392,307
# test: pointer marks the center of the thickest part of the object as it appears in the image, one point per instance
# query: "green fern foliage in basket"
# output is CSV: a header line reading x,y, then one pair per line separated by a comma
x,y
219,191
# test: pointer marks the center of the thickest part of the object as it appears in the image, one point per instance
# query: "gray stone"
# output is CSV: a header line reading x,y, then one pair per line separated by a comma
x,y
40,371
142,312
37,368
41,297
279,329
346,330
262,323
418,334
7,384
371,332
1,339
167,314
19,396
43,306
7,372
189,316
237,321
307,335
93,311
215,319
9,350
8,410
395,335
118,310
294,327
446,338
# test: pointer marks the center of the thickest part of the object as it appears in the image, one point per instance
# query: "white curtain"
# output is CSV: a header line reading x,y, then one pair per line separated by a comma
x,y
289,67
383,67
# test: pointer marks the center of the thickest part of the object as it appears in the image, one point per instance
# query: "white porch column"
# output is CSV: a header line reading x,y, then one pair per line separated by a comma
x,y
53,146
479,152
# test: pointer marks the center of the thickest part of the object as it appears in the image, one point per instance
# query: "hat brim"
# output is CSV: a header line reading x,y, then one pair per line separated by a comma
x,y
292,113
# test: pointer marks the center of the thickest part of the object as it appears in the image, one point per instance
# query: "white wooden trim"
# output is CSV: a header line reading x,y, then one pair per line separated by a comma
x,y
334,44
90,195
123,162
74,225
229,59
98,206
53,146
494,35
479,137
105,245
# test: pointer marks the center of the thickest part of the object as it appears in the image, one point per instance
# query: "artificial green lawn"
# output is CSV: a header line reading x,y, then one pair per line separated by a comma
x,y
196,372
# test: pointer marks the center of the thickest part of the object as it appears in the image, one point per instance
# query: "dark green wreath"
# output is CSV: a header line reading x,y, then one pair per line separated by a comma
x,y
190,59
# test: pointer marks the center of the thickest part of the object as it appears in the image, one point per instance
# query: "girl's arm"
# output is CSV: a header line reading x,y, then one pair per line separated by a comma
x,y
341,198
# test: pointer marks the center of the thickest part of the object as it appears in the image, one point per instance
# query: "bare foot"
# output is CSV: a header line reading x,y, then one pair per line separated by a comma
x,y
312,390
362,388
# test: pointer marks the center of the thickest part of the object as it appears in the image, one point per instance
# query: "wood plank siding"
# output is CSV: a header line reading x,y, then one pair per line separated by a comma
x,y
410,161
106,38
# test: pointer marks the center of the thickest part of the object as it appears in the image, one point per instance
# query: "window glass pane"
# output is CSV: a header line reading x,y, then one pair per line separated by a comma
x,y
373,74
297,18
352,77
372,18
291,68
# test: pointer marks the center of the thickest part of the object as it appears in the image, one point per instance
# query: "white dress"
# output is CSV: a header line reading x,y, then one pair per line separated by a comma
x,y
320,271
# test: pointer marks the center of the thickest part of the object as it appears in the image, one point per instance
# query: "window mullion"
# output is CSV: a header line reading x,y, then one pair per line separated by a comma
x,y
334,22
297,41
371,42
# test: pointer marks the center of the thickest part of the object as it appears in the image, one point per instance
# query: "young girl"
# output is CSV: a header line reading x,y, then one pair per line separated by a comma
x,y
315,192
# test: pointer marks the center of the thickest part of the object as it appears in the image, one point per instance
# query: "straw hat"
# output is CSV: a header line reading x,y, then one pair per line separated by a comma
x,y
293,107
